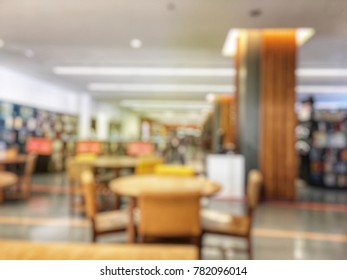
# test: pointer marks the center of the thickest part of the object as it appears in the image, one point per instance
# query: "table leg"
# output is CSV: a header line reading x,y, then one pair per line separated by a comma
x,y
131,223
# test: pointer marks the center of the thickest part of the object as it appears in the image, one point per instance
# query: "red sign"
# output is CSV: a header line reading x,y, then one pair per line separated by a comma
x,y
89,147
139,148
39,146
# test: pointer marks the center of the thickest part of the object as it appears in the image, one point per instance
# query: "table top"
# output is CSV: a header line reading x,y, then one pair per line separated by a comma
x,y
115,162
24,250
135,184
7,179
13,160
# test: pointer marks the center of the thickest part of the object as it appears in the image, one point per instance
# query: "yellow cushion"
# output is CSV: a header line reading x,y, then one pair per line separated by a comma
x,y
147,165
176,170
86,157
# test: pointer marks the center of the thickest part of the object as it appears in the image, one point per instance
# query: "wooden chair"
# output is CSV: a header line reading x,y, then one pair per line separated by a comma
x,y
170,216
102,222
25,179
22,189
238,226
74,171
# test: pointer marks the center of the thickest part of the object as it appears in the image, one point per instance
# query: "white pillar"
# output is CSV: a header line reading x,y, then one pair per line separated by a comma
x,y
85,115
102,126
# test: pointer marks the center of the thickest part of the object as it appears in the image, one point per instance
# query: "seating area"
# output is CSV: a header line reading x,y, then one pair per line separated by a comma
x,y
154,203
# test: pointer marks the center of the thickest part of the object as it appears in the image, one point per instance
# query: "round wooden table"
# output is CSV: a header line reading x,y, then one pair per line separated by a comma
x,y
133,186
6,179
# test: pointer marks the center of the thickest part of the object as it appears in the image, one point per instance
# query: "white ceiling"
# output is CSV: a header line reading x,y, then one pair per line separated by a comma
x,y
175,33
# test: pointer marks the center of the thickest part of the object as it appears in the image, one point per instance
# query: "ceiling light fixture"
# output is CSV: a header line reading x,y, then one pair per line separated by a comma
x,y
160,87
230,45
162,105
143,71
136,43
321,72
321,89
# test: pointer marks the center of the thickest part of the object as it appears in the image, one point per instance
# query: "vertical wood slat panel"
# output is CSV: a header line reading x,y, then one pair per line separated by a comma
x,y
235,120
278,157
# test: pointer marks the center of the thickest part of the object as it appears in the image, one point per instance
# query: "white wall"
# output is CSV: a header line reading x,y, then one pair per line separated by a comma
x,y
25,90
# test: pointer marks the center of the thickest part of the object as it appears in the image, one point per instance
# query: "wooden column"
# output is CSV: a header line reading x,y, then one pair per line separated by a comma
x,y
278,159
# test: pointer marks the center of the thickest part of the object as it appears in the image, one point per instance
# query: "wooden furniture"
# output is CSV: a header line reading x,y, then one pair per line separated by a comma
x,y
103,222
239,226
74,170
25,180
170,215
133,186
19,159
24,250
6,179
115,163
174,170
21,188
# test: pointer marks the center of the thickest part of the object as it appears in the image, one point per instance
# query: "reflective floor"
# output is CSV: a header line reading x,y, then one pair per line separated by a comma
x,y
281,230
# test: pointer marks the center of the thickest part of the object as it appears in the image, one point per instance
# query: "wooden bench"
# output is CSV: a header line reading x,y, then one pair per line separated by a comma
x,y
25,250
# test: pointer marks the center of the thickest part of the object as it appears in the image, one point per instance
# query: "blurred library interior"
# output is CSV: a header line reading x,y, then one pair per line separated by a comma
x,y
173,129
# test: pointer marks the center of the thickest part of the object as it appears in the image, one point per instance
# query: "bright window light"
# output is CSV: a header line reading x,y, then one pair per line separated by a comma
x,y
160,87
143,71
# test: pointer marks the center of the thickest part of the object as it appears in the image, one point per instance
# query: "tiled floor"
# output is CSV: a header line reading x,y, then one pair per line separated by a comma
x,y
281,230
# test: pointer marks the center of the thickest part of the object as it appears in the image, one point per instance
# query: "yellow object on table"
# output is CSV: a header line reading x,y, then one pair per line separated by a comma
x,y
87,157
174,170
146,165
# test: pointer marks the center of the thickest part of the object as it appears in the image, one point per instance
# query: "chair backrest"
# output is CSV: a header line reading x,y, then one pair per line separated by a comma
x,y
254,184
146,165
89,192
169,214
174,170
74,169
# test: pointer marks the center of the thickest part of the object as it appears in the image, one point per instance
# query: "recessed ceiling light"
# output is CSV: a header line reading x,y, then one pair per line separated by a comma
x,y
136,43
255,13
2,43
29,53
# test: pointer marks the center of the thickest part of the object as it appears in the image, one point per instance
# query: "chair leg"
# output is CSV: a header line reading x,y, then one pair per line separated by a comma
x,y
117,202
249,247
94,236
2,195
198,242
